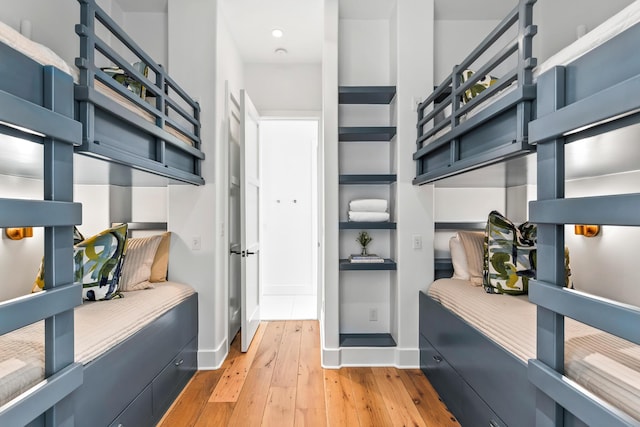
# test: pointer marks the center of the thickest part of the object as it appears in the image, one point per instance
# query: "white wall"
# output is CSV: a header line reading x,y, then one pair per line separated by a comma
x,y
557,21
454,40
149,30
194,25
364,56
276,89
20,259
606,265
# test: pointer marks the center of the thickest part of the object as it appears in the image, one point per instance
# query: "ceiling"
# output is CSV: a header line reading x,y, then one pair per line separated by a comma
x,y
473,9
251,21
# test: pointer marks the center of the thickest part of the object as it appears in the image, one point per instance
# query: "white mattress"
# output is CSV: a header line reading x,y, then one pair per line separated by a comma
x,y
613,26
99,326
606,365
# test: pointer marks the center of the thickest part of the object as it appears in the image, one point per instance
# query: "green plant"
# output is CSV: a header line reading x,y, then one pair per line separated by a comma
x,y
364,239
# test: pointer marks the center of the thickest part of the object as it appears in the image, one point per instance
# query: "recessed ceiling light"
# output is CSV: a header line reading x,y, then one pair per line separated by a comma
x,y
277,33
281,51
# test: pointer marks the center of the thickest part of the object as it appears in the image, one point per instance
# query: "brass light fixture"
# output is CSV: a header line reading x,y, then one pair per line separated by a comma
x,y
18,233
587,230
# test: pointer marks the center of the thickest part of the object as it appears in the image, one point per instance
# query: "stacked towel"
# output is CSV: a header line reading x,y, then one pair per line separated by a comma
x,y
368,210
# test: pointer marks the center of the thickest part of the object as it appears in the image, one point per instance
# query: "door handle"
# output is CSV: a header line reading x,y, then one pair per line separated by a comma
x,y
247,253
235,252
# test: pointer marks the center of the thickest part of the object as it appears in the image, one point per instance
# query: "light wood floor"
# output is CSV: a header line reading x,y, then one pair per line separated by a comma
x,y
280,382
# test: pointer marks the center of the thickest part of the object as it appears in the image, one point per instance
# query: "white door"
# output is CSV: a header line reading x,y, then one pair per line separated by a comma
x,y
232,118
249,219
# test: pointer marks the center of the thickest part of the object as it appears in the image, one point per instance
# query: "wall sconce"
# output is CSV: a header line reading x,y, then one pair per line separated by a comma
x,y
18,233
587,230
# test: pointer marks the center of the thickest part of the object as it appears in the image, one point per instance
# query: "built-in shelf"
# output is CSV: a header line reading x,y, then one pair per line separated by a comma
x,y
366,94
367,340
367,179
346,265
357,225
366,133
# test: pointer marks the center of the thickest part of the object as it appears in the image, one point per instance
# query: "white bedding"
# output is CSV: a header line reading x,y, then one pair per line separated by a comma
x,y
606,365
99,326
613,26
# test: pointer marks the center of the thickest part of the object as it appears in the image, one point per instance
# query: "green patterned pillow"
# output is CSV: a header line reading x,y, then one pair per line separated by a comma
x,y
102,264
478,87
38,284
509,255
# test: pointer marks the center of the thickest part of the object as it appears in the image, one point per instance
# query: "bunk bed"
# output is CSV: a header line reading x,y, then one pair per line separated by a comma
x,y
128,379
540,380
158,132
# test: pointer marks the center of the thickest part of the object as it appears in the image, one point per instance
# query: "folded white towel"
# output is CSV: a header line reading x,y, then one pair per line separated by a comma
x,y
368,205
368,216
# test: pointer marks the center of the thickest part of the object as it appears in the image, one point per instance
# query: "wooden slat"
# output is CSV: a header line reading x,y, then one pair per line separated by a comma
x,y
397,400
249,408
425,398
341,406
268,351
281,407
229,386
311,417
288,355
191,402
214,415
310,393
369,402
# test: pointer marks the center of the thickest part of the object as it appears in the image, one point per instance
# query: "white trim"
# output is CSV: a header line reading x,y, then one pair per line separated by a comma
x,y
291,115
401,358
211,359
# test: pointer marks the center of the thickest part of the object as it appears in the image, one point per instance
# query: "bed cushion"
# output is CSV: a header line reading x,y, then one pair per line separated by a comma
x,y
473,242
136,268
509,255
102,263
160,265
458,259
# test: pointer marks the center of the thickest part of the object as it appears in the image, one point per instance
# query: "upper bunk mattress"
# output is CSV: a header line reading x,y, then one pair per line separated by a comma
x,y
99,326
604,364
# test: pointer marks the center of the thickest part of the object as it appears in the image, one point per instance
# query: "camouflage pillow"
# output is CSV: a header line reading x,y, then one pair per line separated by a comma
x,y
509,255
478,87
102,263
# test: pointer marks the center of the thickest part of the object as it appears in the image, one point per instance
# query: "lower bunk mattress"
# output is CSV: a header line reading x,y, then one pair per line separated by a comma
x,y
604,364
99,326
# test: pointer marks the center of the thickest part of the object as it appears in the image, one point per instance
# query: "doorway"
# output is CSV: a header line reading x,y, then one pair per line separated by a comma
x,y
289,218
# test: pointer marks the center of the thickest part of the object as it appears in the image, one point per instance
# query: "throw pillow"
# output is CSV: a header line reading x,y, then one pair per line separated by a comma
x,y
458,259
509,256
102,263
136,269
473,242
478,87
38,283
161,261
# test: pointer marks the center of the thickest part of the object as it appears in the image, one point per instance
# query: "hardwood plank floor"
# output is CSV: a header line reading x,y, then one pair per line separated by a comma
x,y
280,382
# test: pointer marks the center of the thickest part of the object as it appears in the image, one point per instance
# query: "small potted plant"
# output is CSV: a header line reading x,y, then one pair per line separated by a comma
x,y
364,239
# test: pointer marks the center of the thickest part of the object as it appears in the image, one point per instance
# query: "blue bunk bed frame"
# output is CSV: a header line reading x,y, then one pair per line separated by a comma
x,y
111,131
123,386
480,381
496,133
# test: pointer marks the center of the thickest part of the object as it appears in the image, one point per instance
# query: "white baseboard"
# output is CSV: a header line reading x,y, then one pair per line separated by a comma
x,y
401,358
211,359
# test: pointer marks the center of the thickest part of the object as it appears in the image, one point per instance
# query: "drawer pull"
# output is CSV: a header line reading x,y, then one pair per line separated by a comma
x,y
178,362
438,359
493,424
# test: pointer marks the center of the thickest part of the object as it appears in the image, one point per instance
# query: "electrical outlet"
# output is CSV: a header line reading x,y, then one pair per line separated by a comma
x,y
417,241
373,315
196,243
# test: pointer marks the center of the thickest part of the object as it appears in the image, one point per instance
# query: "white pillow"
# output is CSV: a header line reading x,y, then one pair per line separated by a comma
x,y
473,243
138,259
458,259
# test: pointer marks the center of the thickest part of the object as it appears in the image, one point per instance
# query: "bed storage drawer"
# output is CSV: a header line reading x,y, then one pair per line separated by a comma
x,y
476,412
139,413
173,377
442,376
